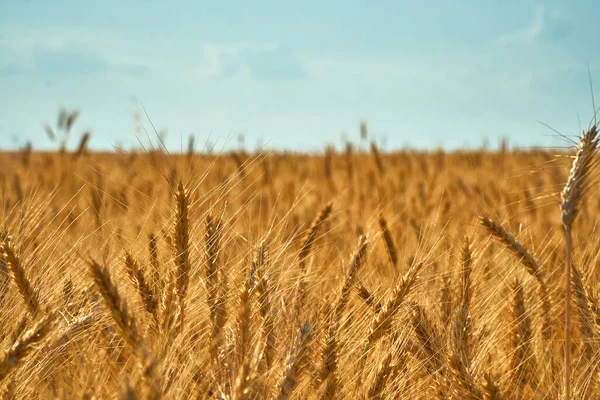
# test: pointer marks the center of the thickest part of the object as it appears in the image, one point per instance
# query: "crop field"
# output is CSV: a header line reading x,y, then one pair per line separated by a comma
x,y
348,274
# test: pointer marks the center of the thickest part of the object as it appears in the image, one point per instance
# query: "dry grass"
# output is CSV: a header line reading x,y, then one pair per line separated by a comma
x,y
353,275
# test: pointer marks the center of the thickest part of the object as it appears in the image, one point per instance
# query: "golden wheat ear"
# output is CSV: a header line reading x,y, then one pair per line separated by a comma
x,y
572,197
309,239
389,240
531,266
579,176
311,233
523,362
463,379
584,301
82,148
294,368
24,345
329,364
17,272
378,158
433,352
368,297
156,279
126,324
139,282
265,304
491,388
378,385
216,291
115,304
383,320
181,247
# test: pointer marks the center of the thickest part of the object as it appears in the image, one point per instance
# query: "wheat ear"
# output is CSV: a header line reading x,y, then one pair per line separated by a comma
x,y
571,197
377,387
138,280
460,357
23,346
531,266
115,304
9,392
491,388
311,233
15,265
297,359
263,291
329,362
588,330
309,239
378,159
126,324
156,279
215,292
181,247
389,240
433,348
368,297
523,362
382,321
586,319
244,317
243,326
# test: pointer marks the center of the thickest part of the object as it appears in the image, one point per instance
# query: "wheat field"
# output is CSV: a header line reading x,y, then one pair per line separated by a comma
x,y
355,274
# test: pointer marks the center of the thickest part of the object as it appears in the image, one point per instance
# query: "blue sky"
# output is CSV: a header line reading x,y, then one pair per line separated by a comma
x,y
298,75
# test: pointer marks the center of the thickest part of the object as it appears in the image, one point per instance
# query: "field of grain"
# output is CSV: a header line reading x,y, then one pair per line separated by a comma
x,y
355,274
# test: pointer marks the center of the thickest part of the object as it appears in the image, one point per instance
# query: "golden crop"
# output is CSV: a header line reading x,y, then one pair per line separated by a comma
x,y
348,275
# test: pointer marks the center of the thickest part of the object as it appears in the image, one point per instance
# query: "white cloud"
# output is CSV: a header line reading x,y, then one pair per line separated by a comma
x,y
251,61
530,33
545,24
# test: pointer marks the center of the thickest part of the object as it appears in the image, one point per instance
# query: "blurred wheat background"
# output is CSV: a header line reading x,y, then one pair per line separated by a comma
x,y
339,275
